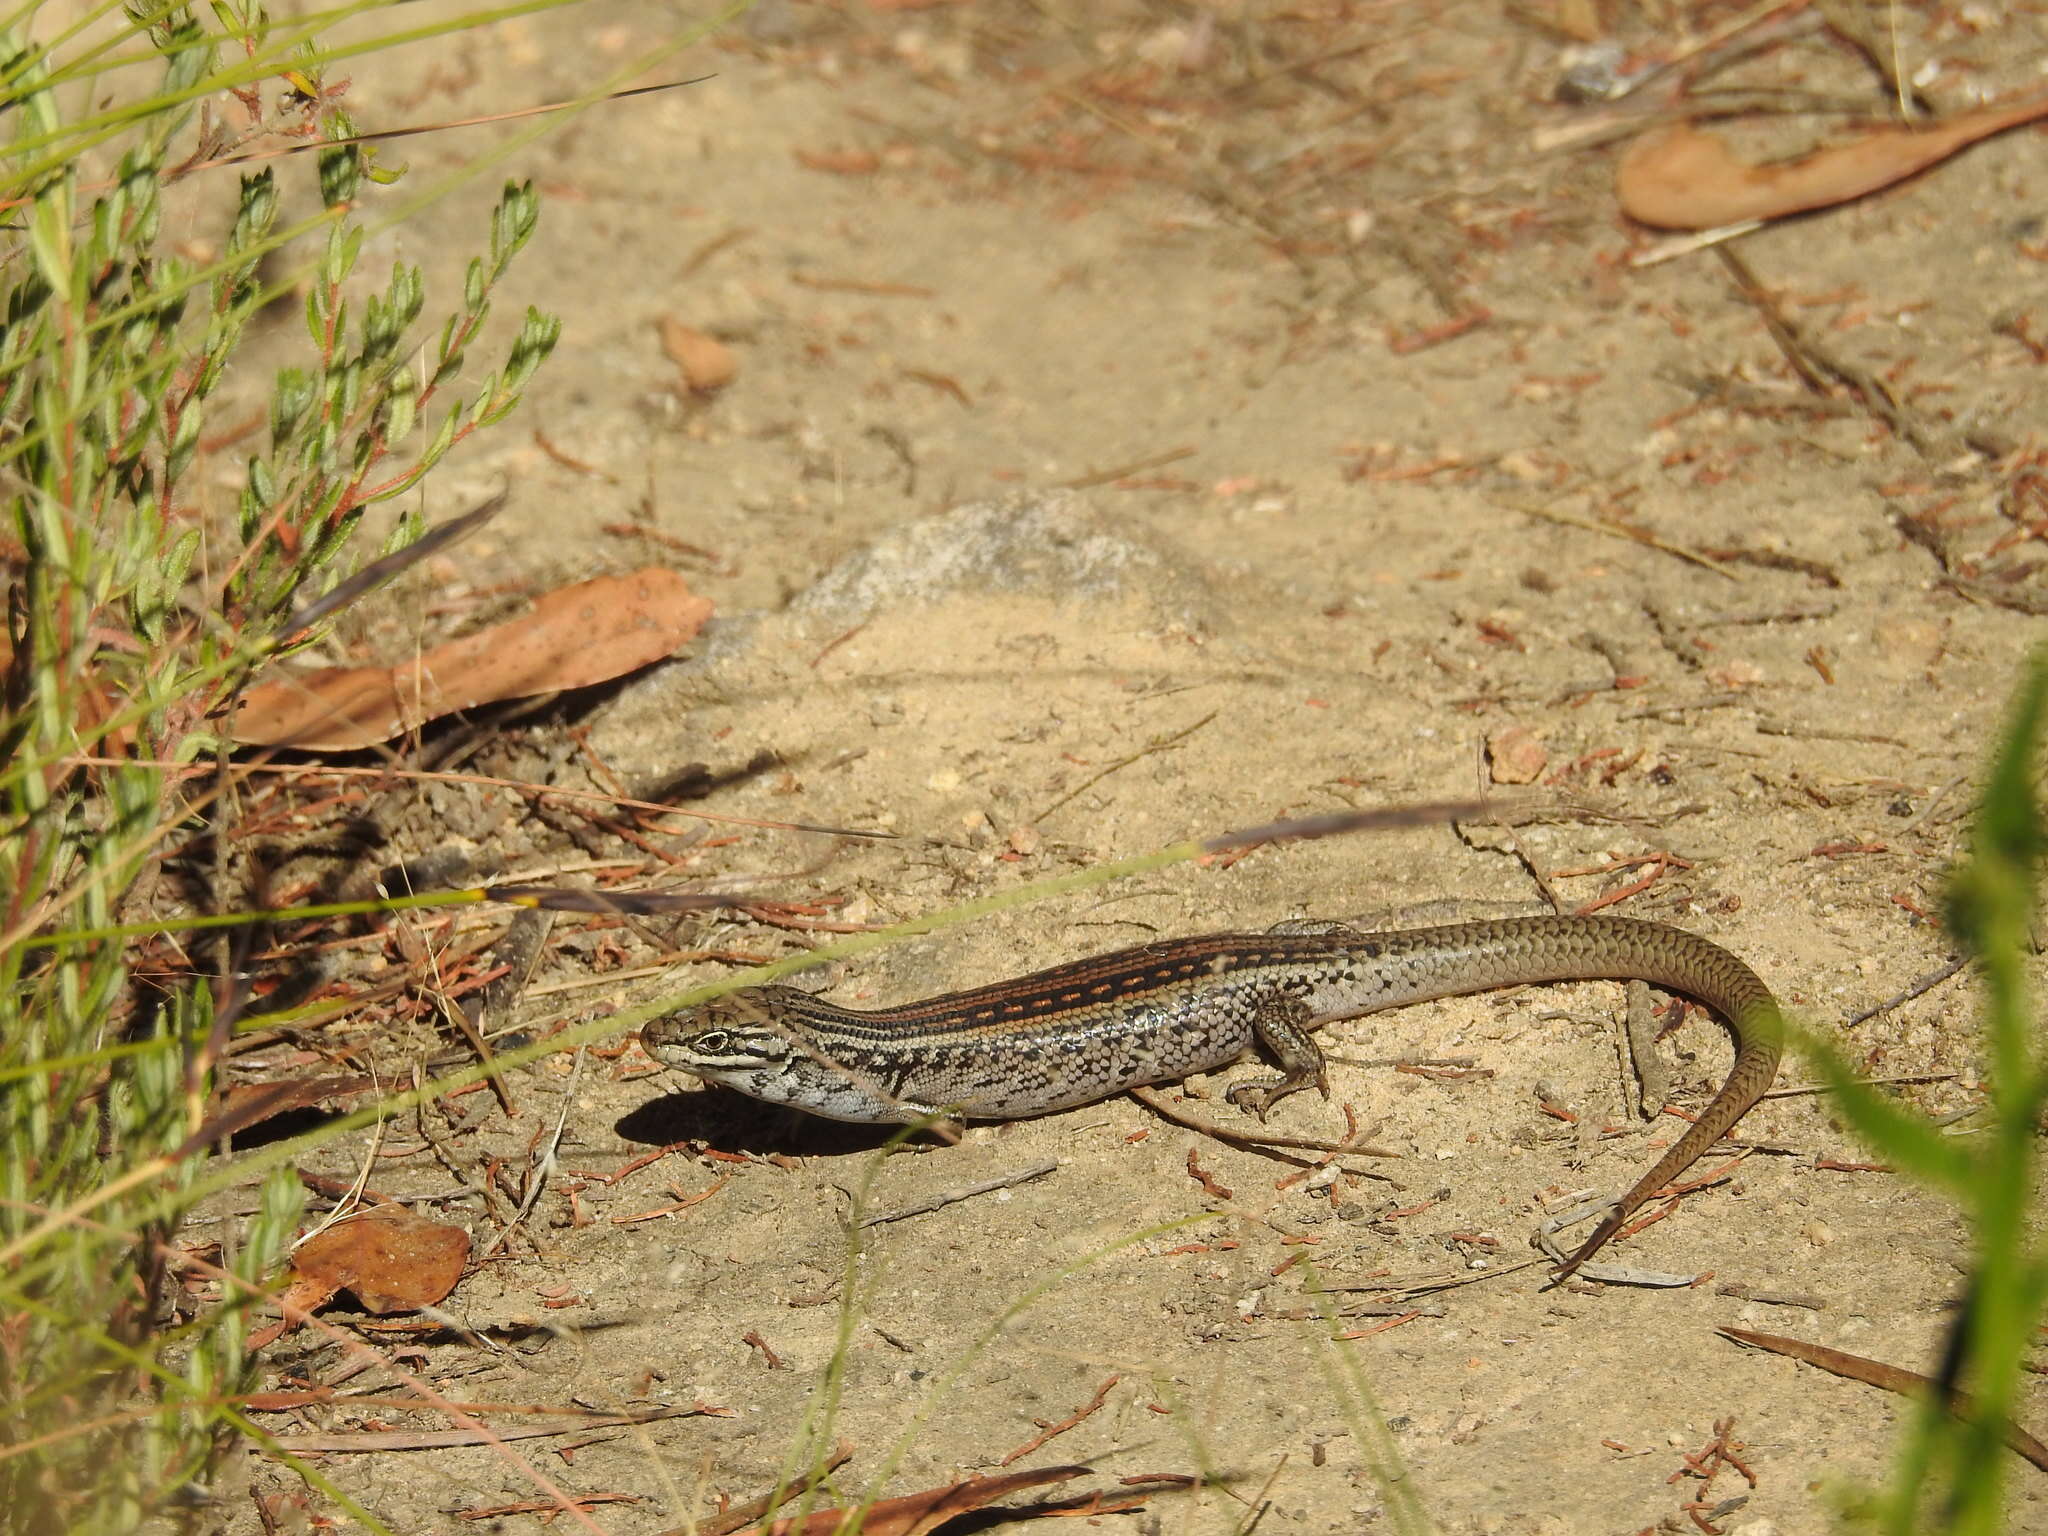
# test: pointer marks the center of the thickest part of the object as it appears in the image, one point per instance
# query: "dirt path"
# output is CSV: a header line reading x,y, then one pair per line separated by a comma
x,y
1387,372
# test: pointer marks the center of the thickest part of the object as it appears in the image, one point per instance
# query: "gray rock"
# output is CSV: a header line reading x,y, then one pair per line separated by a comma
x,y
1039,542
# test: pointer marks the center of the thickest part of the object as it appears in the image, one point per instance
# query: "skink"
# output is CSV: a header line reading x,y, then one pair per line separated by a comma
x,y
1086,1030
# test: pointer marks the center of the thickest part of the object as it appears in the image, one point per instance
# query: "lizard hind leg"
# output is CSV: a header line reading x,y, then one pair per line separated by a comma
x,y
1281,1025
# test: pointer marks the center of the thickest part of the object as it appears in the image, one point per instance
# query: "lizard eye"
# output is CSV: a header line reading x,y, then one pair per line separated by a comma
x,y
713,1042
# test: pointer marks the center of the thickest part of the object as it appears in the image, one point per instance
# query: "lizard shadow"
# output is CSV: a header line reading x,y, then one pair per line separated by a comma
x,y
731,1122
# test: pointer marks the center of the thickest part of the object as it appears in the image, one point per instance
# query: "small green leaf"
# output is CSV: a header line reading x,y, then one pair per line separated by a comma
x,y
450,367
344,244
190,56
340,175
401,405
445,437
194,745
49,233
254,215
537,338
184,441
406,529
262,485
106,227
349,394
486,401
290,398
140,168
177,562
408,294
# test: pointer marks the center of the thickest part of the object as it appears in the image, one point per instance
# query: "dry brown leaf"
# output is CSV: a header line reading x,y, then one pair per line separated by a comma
x,y
334,707
394,1260
1685,179
708,364
918,1514
571,638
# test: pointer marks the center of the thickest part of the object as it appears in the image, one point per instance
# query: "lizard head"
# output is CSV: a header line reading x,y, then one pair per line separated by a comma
x,y
754,1041
733,1039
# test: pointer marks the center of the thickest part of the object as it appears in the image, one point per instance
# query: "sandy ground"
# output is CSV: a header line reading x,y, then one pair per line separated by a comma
x,y
1104,467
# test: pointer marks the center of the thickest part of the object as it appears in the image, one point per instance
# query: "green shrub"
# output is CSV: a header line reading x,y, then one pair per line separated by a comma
x,y
113,1401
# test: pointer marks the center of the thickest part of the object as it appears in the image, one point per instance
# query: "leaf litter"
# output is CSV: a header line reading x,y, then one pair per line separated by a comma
x,y
1685,179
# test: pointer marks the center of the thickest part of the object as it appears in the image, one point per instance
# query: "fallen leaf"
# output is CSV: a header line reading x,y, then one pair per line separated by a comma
x,y
336,707
918,1514
707,363
394,1260
571,638
1685,179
